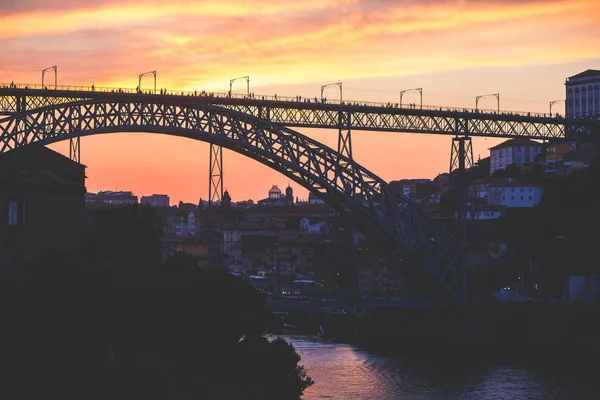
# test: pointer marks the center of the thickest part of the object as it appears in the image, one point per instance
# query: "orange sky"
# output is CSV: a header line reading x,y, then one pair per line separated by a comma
x,y
453,49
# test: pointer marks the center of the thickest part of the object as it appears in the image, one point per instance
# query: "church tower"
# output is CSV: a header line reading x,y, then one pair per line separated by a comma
x,y
289,195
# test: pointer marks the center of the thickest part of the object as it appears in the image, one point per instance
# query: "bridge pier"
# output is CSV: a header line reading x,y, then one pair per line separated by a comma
x,y
345,135
75,149
461,158
215,174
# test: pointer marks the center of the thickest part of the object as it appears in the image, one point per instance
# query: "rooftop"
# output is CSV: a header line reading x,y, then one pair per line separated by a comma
x,y
590,73
516,142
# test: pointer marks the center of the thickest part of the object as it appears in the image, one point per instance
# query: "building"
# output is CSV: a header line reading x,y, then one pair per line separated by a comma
x,y
515,195
156,200
43,195
277,198
483,213
314,199
519,151
414,188
195,246
314,228
583,94
110,198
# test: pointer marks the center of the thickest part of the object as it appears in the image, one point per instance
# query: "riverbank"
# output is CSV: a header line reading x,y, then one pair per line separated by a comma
x,y
501,327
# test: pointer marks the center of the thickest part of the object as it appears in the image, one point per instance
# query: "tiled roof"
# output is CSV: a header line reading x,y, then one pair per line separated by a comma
x,y
516,184
516,142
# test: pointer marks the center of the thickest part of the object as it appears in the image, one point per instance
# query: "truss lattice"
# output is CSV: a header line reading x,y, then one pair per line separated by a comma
x,y
318,168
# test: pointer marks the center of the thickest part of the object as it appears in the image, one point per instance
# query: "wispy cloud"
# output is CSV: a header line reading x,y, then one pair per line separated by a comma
x,y
197,42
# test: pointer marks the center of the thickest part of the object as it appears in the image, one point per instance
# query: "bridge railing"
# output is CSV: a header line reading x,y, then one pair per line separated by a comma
x,y
204,93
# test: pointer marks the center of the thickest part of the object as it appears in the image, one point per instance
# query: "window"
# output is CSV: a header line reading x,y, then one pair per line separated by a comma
x,y
530,189
13,212
512,197
503,198
521,197
512,189
530,198
16,212
521,189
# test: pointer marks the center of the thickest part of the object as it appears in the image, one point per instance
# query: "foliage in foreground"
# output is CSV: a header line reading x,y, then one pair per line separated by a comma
x,y
100,327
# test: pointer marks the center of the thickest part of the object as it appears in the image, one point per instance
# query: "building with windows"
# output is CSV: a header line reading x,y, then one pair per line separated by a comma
x,y
110,198
515,195
42,194
583,94
156,200
519,151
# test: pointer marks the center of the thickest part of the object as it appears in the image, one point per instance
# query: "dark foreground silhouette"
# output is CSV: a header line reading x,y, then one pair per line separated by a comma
x,y
111,326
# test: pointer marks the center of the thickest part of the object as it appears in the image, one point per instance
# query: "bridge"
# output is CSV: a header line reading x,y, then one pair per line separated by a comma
x,y
259,127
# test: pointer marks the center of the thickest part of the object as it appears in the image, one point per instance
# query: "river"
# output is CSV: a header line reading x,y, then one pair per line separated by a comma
x,y
342,371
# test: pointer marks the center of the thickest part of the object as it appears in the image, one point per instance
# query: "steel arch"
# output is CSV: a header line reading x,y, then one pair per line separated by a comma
x,y
311,164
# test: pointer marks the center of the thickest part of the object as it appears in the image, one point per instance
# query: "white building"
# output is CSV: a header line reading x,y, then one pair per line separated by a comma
x,y
583,94
519,151
515,195
484,213
316,228
191,223
232,248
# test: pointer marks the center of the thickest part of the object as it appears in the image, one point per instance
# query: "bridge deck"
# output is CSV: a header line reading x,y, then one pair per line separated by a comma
x,y
321,113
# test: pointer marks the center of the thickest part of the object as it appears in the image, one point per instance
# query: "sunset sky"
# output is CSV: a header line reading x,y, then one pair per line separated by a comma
x,y
453,49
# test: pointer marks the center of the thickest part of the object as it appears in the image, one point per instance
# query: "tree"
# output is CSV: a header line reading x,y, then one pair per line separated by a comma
x,y
269,370
126,240
69,326
512,171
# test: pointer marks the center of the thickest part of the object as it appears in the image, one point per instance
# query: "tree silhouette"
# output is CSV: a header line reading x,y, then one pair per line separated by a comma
x,y
90,328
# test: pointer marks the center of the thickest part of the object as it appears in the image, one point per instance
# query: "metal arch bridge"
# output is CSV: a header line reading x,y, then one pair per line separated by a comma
x,y
320,113
257,128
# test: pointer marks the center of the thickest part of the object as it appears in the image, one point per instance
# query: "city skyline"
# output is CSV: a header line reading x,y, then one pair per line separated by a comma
x,y
453,50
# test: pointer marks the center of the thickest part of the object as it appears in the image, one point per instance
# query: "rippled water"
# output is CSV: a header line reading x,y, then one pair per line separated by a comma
x,y
346,372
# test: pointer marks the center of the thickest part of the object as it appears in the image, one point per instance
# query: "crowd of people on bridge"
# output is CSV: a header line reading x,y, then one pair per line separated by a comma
x,y
323,100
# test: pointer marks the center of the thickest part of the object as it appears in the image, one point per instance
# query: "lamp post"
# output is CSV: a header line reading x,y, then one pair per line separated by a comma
x,y
496,95
552,103
55,75
147,73
339,84
246,78
420,90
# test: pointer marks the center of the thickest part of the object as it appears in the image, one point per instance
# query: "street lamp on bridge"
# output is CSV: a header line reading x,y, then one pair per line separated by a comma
x,y
55,75
420,90
246,78
552,103
496,95
338,84
142,75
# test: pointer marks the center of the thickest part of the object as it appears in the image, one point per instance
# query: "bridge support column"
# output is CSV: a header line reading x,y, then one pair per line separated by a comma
x,y
215,178
75,149
345,136
455,157
462,158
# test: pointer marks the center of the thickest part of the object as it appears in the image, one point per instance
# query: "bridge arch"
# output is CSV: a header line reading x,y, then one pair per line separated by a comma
x,y
318,168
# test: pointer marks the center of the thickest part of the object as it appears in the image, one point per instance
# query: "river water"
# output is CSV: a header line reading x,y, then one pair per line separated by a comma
x,y
345,372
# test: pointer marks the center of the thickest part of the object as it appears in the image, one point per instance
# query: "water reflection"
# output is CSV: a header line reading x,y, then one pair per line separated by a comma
x,y
345,372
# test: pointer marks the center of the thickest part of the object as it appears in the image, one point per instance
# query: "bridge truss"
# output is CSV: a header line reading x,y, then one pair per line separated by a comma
x,y
259,129
318,168
314,113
